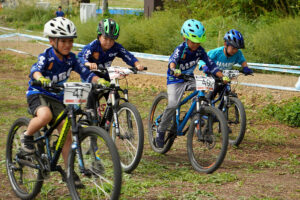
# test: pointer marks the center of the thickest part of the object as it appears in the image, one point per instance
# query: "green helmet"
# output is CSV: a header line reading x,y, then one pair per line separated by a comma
x,y
109,28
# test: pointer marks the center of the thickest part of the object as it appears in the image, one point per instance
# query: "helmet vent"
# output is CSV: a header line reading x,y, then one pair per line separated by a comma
x,y
189,25
69,28
192,30
197,26
54,32
51,24
62,33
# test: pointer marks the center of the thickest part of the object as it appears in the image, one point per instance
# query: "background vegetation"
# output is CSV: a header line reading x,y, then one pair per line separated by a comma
x,y
270,27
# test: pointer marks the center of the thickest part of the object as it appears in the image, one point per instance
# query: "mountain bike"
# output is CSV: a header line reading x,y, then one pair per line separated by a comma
x,y
119,117
207,138
99,171
232,108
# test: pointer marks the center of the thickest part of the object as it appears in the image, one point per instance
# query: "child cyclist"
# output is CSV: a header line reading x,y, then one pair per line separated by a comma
x,y
228,55
53,66
104,50
183,61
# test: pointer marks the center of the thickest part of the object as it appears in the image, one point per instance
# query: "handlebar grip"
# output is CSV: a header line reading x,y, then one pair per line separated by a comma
x,y
36,83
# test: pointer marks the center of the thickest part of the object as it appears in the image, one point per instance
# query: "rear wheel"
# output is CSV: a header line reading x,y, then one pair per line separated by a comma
x,y
236,118
207,140
158,107
25,181
102,177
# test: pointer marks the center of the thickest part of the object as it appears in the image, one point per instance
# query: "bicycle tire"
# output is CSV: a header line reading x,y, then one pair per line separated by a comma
x,y
201,149
13,144
129,144
105,179
158,107
237,133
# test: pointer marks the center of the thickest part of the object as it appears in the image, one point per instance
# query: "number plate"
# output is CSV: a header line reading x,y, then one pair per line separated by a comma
x,y
204,83
231,73
76,92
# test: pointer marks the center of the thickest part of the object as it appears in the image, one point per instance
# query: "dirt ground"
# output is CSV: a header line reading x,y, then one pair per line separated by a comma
x,y
270,181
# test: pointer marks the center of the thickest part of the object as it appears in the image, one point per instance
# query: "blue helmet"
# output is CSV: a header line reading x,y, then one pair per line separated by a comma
x,y
193,30
235,39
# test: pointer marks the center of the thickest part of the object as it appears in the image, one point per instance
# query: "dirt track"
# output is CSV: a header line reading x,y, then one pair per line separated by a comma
x,y
250,163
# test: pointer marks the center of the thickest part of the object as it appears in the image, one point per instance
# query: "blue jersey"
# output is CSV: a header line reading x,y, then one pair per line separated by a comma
x,y
57,71
60,14
187,61
223,62
93,53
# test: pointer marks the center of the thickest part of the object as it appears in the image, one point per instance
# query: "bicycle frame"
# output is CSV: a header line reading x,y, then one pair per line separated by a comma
x,y
68,114
196,104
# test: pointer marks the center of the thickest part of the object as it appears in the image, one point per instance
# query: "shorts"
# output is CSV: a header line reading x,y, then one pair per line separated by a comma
x,y
36,101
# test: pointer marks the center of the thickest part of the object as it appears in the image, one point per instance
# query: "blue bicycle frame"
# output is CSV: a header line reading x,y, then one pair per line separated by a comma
x,y
195,104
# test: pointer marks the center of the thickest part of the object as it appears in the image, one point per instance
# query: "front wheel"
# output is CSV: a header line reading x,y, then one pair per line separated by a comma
x,y
207,140
236,118
130,140
102,175
25,181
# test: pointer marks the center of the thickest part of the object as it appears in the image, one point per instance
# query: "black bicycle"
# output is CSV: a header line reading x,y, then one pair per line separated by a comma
x,y
232,107
119,117
99,170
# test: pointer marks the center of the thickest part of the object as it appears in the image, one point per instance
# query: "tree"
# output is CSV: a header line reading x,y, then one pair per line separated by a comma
x,y
104,7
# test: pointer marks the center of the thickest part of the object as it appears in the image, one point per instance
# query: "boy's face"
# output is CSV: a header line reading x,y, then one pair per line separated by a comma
x,y
192,45
64,45
230,49
106,43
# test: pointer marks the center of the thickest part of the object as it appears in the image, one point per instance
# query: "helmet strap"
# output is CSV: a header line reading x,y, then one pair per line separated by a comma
x,y
56,49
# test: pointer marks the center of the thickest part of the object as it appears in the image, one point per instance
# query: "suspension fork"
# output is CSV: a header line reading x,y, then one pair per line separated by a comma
x,y
115,105
76,144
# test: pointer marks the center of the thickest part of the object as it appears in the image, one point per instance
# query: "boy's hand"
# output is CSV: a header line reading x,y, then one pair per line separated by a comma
x,y
140,67
103,82
205,69
92,66
247,71
177,72
44,81
225,79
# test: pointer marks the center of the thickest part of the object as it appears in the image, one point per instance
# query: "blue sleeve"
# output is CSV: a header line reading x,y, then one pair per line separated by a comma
x,y
209,63
85,54
211,54
240,57
40,66
176,55
83,71
126,56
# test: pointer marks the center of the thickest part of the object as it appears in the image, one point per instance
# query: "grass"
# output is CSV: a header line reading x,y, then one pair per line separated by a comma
x,y
171,176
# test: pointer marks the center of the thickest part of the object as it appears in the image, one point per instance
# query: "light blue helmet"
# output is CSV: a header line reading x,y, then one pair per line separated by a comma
x,y
193,30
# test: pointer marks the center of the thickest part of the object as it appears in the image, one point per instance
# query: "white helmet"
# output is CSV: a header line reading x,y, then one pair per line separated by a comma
x,y
60,27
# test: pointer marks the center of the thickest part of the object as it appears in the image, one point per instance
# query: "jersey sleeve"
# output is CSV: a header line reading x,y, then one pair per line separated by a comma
x,y
176,55
86,53
240,57
83,71
209,63
126,56
40,66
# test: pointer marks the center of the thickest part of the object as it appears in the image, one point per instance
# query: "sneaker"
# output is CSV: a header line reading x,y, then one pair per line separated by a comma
x,y
97,168
77,181
27,143
160,140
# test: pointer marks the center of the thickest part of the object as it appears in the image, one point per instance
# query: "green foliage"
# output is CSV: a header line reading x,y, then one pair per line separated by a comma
x,y
288,113
250,9
28,17
278,42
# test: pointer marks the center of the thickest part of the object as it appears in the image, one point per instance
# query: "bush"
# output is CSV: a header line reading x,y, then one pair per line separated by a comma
x,y
278,42
288,113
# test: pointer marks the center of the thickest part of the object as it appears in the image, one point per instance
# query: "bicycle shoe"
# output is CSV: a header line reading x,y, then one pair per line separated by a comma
x,y
160,140
27,143
97,168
